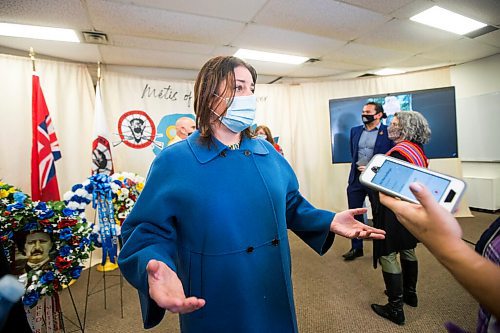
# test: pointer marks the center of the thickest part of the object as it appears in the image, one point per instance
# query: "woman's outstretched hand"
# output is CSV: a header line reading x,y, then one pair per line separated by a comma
x,y
344,224
166,290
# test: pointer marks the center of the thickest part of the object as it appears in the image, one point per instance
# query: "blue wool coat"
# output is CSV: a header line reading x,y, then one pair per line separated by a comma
x,y
219,218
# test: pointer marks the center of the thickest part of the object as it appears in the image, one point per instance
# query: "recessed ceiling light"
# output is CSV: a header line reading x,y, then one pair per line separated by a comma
x,y
268,56
389,71
36,32
444,19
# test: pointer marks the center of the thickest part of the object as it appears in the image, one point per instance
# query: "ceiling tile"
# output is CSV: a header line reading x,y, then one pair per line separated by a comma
x,y
51,13
492,38
314,70
149,58
285,41
63,50
237,10
408,36
385,7
418,62
174,37
159,44
112,17
320,17
366,55
341,66
159,73
464,50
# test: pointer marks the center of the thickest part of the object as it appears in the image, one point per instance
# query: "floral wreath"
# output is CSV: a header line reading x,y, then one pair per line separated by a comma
x,y
8,196
125,186
69,234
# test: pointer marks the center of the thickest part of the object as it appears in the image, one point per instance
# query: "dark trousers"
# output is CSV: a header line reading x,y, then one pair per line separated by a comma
x,y
356,194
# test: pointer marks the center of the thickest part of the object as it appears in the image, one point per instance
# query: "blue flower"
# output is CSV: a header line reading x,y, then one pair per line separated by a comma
x,y
89,187
30,226
20,197
8,234
15,206
76,271
47,214
76,187
47,277
64,251
31,298
68,212
48,229
65,233
94,239
41,206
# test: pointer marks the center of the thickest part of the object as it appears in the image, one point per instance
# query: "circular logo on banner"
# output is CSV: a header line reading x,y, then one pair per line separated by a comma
x,y
101,157
136,129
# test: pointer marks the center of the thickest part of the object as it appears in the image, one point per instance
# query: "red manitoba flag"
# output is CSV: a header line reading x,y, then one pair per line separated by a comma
x,y
45,149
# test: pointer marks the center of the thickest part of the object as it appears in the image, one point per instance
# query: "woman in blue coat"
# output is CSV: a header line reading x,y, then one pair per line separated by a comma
x,y
207,237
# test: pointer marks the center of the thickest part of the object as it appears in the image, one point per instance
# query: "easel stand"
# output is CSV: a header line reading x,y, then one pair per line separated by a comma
x,y
89,292
79,326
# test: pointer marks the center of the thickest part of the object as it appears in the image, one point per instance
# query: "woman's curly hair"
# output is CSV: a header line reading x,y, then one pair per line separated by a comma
x,y
414,127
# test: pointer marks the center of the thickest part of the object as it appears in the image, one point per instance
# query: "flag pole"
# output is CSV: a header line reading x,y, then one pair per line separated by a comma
x,y
98,71
32,56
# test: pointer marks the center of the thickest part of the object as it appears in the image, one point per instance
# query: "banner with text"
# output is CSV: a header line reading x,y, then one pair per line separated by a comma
x,y
142,114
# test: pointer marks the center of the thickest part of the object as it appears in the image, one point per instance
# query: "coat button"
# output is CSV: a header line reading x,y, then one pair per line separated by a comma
x,y
250,249
223,153
247,153
275,242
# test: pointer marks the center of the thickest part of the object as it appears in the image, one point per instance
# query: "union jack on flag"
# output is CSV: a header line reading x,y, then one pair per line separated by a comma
x,y
45,149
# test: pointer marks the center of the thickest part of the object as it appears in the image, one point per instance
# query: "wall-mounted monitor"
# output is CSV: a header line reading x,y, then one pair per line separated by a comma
x,y
436,105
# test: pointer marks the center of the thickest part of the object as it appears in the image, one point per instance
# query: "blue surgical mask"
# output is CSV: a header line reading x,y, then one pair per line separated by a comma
x,y
262,136
240,114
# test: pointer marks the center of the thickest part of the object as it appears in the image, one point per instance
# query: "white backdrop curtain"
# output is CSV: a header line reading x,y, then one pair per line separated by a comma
x,y
69,94
298,114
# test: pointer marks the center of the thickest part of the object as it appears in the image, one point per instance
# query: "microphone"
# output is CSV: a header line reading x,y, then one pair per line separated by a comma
x,y
11,291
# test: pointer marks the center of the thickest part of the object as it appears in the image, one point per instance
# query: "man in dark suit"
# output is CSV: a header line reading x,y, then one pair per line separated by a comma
x,y
365,141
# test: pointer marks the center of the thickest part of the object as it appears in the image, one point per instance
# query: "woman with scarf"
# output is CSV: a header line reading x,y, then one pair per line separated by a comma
x,y
410,131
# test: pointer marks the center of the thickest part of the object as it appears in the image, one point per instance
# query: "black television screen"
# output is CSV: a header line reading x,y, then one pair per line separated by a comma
x,y
436,105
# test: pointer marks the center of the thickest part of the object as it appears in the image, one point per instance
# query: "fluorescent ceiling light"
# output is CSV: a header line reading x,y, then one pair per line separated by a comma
x,y
36,32
440,18
267,56
389,71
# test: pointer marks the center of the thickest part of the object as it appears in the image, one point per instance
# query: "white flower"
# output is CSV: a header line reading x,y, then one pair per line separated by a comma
x,y
81,192
67,196
73,205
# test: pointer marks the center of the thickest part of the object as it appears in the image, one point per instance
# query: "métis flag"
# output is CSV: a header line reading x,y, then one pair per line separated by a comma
x,y
102,162
45,149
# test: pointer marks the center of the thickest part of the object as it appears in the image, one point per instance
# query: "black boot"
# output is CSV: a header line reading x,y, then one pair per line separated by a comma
x,y
410,274
394,309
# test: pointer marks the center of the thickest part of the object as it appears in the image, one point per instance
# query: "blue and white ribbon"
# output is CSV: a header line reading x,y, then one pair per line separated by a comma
x,y
102,200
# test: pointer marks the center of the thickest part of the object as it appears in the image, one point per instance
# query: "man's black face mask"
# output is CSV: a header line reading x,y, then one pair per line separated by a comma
x,y
368,118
